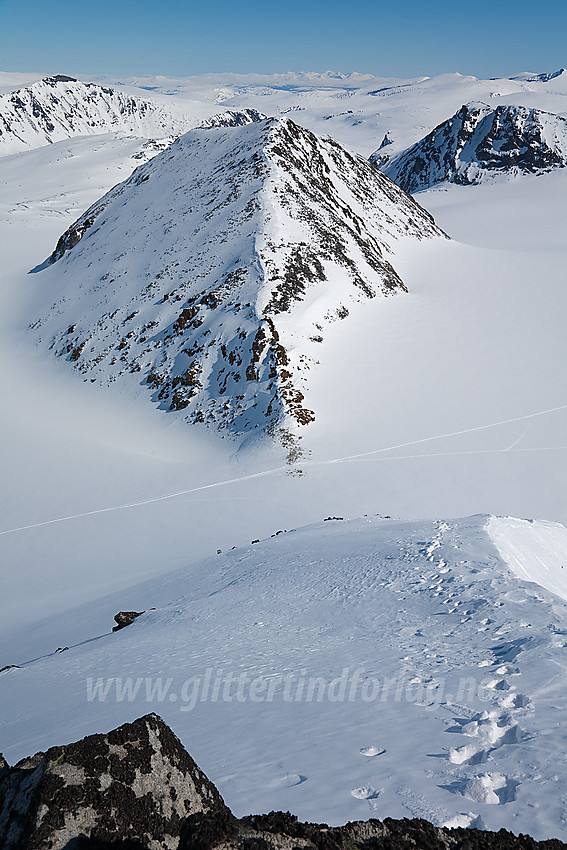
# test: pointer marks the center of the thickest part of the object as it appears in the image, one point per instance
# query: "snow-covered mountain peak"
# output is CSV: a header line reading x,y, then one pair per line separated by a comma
x,y
211,273
478,143
59,107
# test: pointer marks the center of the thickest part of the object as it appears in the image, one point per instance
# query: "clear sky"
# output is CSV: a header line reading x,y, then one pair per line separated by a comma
x,y
183,37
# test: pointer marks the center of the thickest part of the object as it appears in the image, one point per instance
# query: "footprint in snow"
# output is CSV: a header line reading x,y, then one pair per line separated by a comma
x,y
365,792
467,754
498,685
372,751
515,701
288,781
463,820
491,788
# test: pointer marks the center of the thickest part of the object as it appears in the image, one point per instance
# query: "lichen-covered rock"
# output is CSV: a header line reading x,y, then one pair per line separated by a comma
x,y
136,783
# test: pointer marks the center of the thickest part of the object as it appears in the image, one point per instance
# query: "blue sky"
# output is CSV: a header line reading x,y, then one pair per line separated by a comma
x,y
176,38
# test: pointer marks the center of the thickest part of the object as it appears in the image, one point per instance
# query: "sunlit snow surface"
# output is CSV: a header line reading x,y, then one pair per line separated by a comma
x,y
345,670
449,401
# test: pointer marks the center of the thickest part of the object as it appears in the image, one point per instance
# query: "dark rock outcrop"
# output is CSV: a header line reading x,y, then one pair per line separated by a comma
x,y
233,118
138,789
60,107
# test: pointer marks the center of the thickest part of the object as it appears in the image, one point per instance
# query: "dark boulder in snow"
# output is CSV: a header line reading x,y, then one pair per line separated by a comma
x,y
125,618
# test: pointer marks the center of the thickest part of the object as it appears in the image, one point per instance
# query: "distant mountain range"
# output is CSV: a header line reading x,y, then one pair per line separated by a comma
x,y
211,274
477,144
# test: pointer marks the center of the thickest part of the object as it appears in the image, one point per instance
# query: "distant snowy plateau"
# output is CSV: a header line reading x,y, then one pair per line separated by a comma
x,y
250,387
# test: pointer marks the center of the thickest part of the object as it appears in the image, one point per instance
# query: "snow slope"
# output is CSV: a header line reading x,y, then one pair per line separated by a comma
x,y
408,381
533,551
211,275
480,143
350,669
53,109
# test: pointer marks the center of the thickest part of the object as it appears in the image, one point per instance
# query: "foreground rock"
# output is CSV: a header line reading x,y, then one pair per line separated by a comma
x,y
138,789
137,782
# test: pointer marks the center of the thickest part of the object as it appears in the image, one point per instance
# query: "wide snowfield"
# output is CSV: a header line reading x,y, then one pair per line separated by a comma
x,y
445,402
345,670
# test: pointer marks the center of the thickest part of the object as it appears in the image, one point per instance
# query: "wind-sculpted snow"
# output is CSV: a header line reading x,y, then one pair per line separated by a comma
x,y
211,273
478,143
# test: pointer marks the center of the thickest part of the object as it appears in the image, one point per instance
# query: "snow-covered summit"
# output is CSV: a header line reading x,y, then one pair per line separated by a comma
x,y
478,143
210,274
60,107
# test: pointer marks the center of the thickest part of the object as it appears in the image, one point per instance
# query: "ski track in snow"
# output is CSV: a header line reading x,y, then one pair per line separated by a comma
x,y
311,464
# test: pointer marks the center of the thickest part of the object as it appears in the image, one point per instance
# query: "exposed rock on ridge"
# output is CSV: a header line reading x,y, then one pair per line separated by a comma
x,y
137,788
136,782
476,144
213,270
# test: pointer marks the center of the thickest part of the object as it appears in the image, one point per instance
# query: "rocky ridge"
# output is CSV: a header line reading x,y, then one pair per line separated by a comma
x,y
137,788
211,273
479,143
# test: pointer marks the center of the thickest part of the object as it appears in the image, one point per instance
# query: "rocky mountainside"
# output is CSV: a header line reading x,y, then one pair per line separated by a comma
x,y
210,274
138,788
479,143
60,107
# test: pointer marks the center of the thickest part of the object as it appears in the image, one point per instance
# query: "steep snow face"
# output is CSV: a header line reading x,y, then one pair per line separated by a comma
x,y
61,107
479,143
211,273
